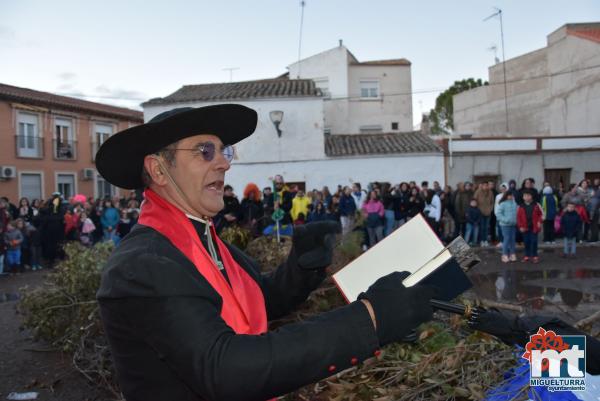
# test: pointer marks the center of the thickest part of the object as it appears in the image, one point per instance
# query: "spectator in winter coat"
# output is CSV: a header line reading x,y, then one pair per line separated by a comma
x,y
572,196
485,202
358,195
25,211
433,210
252,210
13,238
550,206
497,198
462,199
586,194
400,201
506,214
300,204
347,210
570,223
529,222
374,211
473,220
527,185
319,213
109,220
416,204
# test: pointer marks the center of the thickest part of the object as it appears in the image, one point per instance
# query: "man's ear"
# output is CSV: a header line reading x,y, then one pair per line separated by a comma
x,y
155,170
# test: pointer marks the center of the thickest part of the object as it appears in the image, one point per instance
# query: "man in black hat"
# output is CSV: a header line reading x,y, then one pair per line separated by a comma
x,y
186,314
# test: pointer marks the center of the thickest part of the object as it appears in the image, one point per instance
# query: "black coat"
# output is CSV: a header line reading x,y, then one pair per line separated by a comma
x,y
169,342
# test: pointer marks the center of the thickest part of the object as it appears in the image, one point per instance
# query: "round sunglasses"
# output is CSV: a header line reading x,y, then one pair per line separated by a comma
x,y
208,150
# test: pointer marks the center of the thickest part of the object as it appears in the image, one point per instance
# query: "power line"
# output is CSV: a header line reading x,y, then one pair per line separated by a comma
x,y
414,92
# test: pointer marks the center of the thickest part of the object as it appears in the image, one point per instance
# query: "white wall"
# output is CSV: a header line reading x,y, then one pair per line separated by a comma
x,y
342,171
345,113
302,127
563,100
521,166
391,107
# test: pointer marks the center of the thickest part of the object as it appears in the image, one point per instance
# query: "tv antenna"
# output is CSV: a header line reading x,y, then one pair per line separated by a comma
x,y
498,13
302,4
231,70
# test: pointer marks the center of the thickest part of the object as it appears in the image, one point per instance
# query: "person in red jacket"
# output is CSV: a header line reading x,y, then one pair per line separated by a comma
x,y
529,222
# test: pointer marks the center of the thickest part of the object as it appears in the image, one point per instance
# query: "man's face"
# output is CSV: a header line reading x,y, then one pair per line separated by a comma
x,y
300,193
484,186
279,183
527,198
201,181
570,207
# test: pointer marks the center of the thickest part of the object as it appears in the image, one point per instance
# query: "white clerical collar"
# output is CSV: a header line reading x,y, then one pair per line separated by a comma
x,y
208,222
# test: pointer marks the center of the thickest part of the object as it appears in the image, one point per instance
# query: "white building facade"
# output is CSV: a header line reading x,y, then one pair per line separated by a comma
x,y
304,153
553,91
360,97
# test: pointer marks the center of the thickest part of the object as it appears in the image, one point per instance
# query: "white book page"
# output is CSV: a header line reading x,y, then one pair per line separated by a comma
x,y
406,249
426,270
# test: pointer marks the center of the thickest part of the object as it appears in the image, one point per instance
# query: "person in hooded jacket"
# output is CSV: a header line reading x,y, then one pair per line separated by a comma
x,y
550,206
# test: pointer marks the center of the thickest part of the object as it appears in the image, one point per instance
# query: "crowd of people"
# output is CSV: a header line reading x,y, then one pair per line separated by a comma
x,y
483,213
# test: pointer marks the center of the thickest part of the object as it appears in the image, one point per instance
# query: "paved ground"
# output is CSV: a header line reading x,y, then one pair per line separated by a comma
x,y
26,365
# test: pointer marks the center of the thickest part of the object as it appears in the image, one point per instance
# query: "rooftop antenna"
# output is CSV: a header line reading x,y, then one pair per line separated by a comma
x,y
302,4
498,13
231,70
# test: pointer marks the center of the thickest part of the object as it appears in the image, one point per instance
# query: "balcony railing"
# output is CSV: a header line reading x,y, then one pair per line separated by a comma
x,y
29,146
64,150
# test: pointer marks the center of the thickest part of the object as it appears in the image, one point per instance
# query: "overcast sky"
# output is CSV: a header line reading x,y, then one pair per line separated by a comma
x,y
125,52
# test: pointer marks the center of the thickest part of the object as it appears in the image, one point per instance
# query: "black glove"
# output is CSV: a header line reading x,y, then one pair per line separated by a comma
x,y
398,309
504,326
313,243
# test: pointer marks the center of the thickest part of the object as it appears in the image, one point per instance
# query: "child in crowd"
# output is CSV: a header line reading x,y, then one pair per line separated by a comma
x,y
473,218
529,222
570,223
506,215
13,239
87,227
299,220
124,225
22,226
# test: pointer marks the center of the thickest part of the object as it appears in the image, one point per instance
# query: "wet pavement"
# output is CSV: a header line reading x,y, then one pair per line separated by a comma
x,y
568,288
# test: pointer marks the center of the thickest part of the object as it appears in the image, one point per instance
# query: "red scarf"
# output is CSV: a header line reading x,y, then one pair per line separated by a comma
x,y
243,302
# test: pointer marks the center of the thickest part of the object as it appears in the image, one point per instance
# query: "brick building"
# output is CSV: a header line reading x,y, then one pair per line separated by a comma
x,y
48,143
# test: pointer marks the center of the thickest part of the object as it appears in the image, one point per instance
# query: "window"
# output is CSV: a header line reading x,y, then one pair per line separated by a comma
x,y
365,129
327,131
394,126
558,177
31,186
28,140
369,89
101,134
103,188
64,145
323,84
65,184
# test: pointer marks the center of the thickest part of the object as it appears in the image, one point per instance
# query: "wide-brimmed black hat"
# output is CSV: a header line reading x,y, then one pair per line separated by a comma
x,y
120,159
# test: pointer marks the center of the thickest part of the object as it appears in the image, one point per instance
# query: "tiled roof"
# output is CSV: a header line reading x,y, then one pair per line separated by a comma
x,y
379,144
265,88
45,99
591,33
395,61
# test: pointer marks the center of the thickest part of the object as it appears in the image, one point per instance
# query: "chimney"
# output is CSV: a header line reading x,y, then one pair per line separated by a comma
x,y
341,42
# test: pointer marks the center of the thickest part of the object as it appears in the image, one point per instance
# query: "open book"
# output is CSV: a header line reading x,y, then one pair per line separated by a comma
x,y
415,248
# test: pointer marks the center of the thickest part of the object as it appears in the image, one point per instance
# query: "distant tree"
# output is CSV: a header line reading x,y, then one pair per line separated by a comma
x,y
441,117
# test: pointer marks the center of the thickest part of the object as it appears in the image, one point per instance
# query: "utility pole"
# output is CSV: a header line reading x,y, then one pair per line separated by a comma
x,y
498,13
231,69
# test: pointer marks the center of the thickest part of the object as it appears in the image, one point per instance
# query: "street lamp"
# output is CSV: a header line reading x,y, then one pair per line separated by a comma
x,y
276,117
